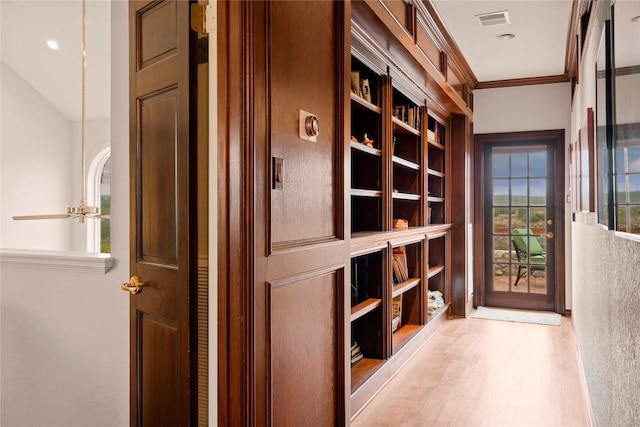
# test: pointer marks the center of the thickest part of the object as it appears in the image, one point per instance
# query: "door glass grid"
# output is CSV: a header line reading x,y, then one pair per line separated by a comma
x,y
519,189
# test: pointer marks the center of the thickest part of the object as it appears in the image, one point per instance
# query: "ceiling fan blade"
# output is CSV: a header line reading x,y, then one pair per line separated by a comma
x,y
51,216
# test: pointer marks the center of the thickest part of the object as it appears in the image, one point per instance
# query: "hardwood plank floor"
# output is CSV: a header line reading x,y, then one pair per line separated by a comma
x,y
476,372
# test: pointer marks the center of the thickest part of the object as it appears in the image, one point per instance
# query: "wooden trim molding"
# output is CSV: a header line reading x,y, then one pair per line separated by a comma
x,y
523,82
75,262
439,32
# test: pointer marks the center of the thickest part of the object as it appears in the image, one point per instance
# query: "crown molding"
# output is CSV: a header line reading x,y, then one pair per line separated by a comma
x,y
529,81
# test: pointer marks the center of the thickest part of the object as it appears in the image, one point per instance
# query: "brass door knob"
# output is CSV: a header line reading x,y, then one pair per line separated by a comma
x,y
134,286
550,235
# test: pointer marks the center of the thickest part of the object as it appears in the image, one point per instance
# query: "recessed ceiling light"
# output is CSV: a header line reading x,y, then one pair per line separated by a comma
x,y
52,44
636,19
505,36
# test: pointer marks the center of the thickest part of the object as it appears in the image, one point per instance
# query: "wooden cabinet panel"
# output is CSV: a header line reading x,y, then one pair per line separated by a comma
x,y
454,81
400,11
304,341
302,76
426,45
298,256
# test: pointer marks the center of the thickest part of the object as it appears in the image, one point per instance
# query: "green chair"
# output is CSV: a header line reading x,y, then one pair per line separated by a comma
x,y
531,254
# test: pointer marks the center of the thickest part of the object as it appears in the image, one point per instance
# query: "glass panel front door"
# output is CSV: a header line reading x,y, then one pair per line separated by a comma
x,y
519,224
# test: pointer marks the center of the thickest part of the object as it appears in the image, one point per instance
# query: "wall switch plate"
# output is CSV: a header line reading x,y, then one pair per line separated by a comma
x,y
278,173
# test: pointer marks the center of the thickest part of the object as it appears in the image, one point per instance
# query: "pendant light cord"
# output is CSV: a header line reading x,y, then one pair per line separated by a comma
x,y
84,66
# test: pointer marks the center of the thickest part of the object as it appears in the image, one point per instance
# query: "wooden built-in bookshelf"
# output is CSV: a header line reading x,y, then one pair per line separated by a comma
x,y
397,173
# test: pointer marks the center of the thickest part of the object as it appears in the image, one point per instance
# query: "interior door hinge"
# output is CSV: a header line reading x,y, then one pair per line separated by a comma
x,y
202,19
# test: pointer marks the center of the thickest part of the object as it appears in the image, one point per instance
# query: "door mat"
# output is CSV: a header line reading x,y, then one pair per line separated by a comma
x,y
521,316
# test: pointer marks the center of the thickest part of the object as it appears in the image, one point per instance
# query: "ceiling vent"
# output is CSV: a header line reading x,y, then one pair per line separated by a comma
x,y
494,18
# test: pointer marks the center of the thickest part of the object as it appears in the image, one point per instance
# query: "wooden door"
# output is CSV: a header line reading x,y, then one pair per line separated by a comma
x,y
161,214
523,217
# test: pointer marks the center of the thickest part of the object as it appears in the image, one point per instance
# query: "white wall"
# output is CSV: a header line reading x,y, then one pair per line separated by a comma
x,y
606,281
64,350
523,108
526,108
35,165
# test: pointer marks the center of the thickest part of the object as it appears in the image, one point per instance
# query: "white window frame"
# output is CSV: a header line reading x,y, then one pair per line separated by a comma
x,y
93,196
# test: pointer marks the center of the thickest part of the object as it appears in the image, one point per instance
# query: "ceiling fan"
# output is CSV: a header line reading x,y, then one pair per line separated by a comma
x,y
82,211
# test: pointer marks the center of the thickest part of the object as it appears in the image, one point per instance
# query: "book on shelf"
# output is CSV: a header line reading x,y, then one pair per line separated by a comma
x,y
356,354
397,275
396,313
365,90
410,117
355,83
400,256
355,349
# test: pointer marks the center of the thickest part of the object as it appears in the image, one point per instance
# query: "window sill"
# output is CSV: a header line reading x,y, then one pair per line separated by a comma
x,y
77,262
628,236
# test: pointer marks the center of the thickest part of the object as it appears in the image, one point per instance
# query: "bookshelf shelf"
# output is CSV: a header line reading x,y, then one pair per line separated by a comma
x,y
364,308
406,163
435,199
365,193
435,144
360,102
362,370
403,287
406,196
365,149
403,335
435,173
402,127
435,270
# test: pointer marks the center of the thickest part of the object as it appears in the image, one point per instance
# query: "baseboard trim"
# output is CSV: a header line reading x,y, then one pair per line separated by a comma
x,y
583,379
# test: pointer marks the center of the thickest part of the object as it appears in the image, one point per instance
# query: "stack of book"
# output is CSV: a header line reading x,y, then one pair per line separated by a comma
x,y
396,313
360,86
356,354
400,269
408,114
434,135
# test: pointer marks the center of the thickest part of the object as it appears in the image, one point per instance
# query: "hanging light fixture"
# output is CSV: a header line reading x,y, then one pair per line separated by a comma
x,y
82,211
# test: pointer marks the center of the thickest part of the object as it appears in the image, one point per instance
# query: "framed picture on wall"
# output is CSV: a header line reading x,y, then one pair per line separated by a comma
x,y
587,169
626,120
604,130
573,178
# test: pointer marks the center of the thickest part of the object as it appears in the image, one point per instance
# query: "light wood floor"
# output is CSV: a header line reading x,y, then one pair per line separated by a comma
x,y
476,372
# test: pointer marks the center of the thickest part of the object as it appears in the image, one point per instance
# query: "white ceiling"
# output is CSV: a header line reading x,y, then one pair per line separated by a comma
x,y
538,50
27,25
